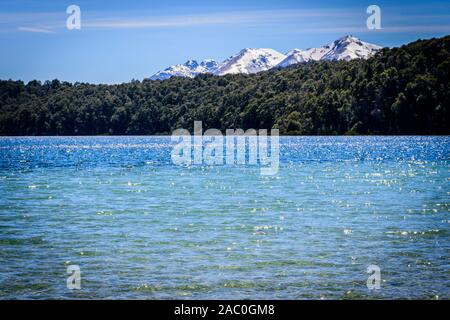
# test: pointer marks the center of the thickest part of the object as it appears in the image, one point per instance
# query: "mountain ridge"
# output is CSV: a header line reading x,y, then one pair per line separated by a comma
x,y
254,60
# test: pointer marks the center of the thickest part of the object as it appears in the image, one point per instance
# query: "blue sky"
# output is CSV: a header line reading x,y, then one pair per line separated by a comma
x,y
124,40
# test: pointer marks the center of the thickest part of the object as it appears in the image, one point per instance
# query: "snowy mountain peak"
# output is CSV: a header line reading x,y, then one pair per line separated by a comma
x,y
293,57
189,69
253,60
345,48
294,51
209,64
348,48
347,38
191,64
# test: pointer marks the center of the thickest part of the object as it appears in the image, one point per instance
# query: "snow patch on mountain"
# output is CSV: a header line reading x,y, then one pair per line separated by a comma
x,y
189,69
251,60
293,57
345,48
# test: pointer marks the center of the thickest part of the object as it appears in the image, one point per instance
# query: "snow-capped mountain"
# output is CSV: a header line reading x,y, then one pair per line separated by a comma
x,y
209,65
255,60
348,48
345,48
293,57
189,69
251,61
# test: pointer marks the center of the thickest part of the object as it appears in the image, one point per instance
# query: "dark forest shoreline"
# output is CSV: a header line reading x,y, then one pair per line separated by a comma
x,y
399,91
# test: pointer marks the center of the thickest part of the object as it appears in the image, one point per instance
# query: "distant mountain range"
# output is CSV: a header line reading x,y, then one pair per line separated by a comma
x,y
399,91
251,60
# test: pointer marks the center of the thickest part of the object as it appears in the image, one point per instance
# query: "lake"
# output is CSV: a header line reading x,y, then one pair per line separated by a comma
x,y
140,227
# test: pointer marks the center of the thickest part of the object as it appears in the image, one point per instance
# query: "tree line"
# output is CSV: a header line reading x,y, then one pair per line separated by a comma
x,y
401,90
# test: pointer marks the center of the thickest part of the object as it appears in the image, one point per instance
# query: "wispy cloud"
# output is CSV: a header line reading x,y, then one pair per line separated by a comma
x,y
35,30
244,17
53,21
388,29
331,20
29,17
417,28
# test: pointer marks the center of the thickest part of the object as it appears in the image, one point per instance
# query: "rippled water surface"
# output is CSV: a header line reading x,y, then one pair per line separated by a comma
x,y
140,227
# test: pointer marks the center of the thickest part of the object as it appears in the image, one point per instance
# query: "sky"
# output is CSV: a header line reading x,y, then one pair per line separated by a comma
x,y
124,40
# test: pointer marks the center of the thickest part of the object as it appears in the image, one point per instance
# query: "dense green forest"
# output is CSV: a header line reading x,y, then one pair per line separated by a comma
x,y
399,91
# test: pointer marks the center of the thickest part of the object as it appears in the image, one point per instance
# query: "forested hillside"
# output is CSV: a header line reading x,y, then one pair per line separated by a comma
x,y
399,91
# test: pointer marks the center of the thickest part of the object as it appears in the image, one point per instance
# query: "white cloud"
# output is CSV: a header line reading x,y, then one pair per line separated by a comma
x,y
35,30
57,21
329,19
211,19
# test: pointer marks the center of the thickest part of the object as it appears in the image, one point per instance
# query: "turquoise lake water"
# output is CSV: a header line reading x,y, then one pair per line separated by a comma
x,y
140,227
